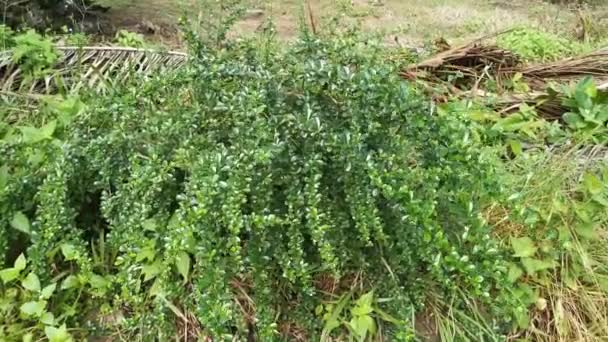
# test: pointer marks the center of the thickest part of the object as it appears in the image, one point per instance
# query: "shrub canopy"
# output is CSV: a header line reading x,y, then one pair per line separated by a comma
x,y
253,168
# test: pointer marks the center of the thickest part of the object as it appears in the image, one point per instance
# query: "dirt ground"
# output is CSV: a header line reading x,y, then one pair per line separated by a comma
x,y
406,22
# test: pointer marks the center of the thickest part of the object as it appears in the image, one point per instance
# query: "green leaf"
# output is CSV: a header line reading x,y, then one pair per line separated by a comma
x,y
535,265
363,305
362,325
150,271
573,120
21,223
34,308
601,199
57,334
48,291
592,184
48,129
146,253
69,282
33,135
515,146
68,251
47,318
156,289
522,318
29,337
586,230
523,247
514,273
31,282
98,282
333,321
9,274
319,310
183,264
20,262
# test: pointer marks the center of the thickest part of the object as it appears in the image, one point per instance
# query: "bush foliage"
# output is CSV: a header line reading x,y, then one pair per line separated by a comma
x,y
254,170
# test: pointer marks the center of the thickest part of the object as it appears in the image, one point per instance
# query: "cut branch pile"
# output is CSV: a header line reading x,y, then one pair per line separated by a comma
x,y
92,67
474,63
469,62
594,64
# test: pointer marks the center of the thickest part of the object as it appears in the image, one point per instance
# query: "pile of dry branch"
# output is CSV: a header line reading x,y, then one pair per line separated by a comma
x,y
462,70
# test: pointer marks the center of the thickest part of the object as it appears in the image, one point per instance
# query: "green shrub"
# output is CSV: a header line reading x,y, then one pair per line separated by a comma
x,y
535,45
257,171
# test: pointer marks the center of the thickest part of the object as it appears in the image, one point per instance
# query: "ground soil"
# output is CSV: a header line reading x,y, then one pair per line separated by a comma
x,y
407,22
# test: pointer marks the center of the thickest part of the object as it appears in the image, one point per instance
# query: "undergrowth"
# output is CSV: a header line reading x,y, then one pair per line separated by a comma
x,y
229,196
300,192
535,45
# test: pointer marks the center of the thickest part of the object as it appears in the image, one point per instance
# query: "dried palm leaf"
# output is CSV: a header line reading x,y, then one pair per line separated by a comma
x,y
594,64
469,62
89,67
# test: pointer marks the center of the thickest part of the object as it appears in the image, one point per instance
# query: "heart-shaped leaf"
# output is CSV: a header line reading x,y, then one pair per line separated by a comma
x,y
31,282
523,247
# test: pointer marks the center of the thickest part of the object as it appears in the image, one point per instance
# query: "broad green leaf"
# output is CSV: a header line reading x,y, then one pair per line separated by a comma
x,y
29,337
515,146
363,305
34,308
601,199
535,265
156,289
65,109
586,230
31,282
9,274
60,334
585,92
333,320
183,264
70,282
47,318
151,270
21,223
363,326
573,120
523,247
34,135
48,291
68,251
514,273
20,262
98,282
146,253
592,184
48,129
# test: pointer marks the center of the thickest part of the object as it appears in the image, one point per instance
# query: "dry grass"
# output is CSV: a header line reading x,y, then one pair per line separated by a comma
x,y
411,22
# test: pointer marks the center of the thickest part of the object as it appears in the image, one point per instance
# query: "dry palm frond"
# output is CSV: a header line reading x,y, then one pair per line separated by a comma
x,y
90,67
470,61
594,64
